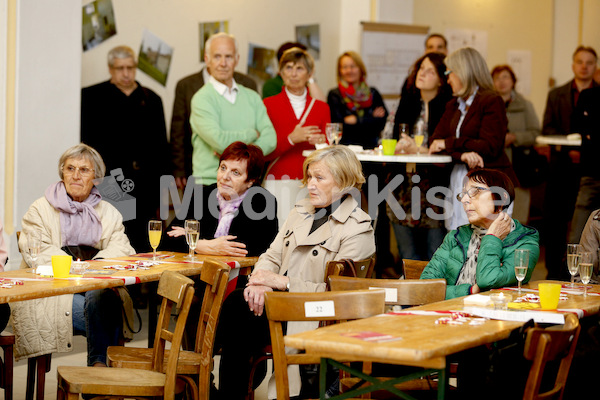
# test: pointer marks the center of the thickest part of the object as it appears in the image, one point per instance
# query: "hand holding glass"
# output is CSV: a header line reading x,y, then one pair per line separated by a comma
x,y
192,231
154,233
586,266
34,241
521,265
573,257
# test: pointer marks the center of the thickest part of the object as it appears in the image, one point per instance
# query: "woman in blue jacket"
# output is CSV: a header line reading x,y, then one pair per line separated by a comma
x,y
480,255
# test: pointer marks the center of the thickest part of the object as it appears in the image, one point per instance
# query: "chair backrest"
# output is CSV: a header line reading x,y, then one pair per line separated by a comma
x,y
413,268
543,345
176,290
401,292
215,274
346,267
283,306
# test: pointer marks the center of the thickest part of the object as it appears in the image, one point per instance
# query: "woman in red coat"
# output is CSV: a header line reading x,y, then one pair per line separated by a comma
x,y
299,121
473,127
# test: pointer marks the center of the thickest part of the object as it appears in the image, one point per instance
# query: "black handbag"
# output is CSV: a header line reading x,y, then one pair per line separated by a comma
x,y
82,252
530,167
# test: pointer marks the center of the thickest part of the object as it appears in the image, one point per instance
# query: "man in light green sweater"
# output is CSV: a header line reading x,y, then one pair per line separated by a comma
x,y
223,112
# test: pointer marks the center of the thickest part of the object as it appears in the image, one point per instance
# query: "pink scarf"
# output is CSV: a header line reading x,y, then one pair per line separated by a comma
x,y
227,210
79,222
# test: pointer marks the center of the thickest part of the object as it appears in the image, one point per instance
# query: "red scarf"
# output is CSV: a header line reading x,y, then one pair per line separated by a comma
x,y
356,99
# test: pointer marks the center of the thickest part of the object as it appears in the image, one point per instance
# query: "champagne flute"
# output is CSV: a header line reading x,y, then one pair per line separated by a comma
x,y
337,133
34,241
154,233
521,265
403,129
586,266
573,259
192,231
329,128
419,136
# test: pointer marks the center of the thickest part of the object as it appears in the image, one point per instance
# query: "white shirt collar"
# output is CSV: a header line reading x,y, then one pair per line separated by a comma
x,y
229,94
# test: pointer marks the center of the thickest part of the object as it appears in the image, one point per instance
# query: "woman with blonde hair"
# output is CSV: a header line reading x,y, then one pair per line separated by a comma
x,y
359,107
473,127
329,225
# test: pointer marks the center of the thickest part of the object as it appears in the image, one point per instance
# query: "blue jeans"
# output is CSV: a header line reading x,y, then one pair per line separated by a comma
x,y
410,241
97,315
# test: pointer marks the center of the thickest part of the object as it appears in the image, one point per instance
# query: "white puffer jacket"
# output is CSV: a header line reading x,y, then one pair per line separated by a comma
x,y
45,325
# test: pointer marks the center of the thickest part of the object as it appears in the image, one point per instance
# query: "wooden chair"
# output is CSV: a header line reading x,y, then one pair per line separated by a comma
x,y
282,307
399,292
412,269
176,290
543,345
7,342
362,268
215,275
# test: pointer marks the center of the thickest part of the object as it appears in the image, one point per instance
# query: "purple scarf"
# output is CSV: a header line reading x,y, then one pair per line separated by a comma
x,y
227,209
79,222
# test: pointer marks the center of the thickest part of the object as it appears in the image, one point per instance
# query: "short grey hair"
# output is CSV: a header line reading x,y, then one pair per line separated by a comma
x,y
217,36
82,150
472,70
120,52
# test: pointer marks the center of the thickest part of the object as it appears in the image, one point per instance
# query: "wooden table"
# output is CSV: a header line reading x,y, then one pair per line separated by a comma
x,y
45,287
558,140
398,158
421,342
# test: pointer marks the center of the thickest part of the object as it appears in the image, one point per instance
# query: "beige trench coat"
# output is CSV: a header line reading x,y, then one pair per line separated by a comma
x,y
44,326
303,257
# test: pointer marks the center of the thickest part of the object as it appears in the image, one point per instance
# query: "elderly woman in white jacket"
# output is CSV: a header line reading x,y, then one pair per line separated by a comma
x,y
70,216
329,225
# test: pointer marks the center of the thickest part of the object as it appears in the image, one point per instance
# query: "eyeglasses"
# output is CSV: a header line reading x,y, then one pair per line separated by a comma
x,y
474,191
83,171
447,72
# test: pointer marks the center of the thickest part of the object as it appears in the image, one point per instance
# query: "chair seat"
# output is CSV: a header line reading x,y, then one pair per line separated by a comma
x,y
141,358
111,381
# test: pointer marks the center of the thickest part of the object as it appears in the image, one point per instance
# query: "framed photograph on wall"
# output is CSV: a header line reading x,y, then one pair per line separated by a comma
x,y
98,23
308,35
155,57
210,28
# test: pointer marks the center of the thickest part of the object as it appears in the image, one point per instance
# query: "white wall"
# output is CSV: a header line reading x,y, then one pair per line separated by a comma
x,y
268,23
47,98
564,40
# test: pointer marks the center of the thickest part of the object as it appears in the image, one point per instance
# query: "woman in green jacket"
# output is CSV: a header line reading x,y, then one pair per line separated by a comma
x,y
480,256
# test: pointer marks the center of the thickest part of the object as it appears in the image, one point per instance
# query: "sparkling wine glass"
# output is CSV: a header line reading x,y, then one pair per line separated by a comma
x,y
521,265
586,266
154,234
419,136
34,241
573,259
192,231
333,130
403,129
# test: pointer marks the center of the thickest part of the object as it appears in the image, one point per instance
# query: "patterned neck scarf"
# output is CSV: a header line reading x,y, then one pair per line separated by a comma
x,y
79,222
356,98
227,211
469,270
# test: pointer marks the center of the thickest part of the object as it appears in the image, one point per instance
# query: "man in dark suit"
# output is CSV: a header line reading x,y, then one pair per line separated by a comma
x,y
564,174
181,131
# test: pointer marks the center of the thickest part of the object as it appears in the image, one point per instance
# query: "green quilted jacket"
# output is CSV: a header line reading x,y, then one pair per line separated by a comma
x,y
495,262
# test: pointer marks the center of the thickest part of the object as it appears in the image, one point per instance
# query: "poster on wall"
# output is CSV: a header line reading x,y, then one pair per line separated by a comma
x,y
308,35
520,62
98,23
155,57
458,38
262,64
210,28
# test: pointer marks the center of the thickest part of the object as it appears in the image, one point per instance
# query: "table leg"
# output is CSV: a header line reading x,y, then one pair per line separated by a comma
x,y
152,316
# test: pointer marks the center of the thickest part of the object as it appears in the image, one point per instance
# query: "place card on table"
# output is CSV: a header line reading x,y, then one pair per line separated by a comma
x,y
477,300
519,316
